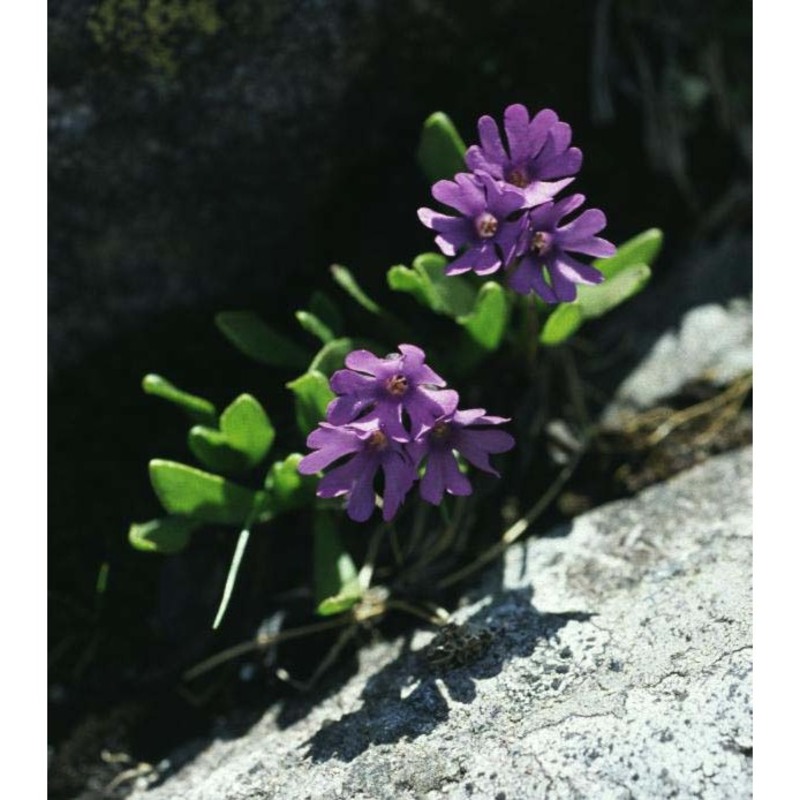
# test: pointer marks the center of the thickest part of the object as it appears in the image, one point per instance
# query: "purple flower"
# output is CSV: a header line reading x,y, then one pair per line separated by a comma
x,y
545,246
384,389
465,432
371,449
483,228
538,152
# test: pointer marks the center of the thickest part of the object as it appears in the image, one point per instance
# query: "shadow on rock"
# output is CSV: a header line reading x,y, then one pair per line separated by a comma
x,y
409,697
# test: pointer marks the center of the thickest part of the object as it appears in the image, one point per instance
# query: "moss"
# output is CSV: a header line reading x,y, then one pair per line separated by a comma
x,y
152,30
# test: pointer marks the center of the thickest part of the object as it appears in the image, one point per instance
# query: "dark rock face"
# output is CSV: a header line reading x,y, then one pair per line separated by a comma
x,y
619,667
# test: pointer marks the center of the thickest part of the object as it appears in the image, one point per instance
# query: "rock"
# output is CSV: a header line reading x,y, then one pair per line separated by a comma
x,y
714,344
619,667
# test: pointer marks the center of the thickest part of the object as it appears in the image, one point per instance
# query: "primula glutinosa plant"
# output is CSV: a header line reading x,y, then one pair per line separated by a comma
x,y
378,425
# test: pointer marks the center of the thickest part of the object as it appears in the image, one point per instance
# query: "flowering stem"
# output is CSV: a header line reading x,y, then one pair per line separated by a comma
x,y
443,542
521,525
402,605
530,329
261,643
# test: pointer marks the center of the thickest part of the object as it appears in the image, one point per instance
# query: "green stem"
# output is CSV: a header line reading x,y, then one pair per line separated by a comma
x,y
530,330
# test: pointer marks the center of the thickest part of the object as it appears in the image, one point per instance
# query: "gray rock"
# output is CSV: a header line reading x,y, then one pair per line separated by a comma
x,y
620,667
714,343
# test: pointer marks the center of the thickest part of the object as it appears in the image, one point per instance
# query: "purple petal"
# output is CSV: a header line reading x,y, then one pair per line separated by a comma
x,y
476,446
451,194
595,246
345,381
342,410
361,502
542,218
559,135
572,270
442,223
341,479
468,416
400,475
415,367
490,141
540,192
486,260
509,238
477,258
563,286
455,481
490,419
502,200
364,361
330,445
477,416
538,128
528,277
567,205
431,485
389,414
586,224
489,439
516,124
568,163
413,357
418,449
427,405
476,160
445,246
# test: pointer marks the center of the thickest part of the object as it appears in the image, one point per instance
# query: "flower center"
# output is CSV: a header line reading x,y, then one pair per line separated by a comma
x,y
541,243
397,385
486,225
519,177
440,430
377,441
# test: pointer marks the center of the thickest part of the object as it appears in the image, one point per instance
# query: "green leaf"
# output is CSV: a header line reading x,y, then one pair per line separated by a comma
x,y
198,408
598,300
247,428
253,337
454,295
245,437
641,249
427,282
314,325
233,572
165,535
213,450
336,583
344,278
441,148
486,323
287,489
311,396
561,324
325,308
331,357
627,273
200,495
403,279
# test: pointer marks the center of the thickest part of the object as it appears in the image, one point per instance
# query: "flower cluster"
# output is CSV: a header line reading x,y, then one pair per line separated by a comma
x,y
394,414
507,214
